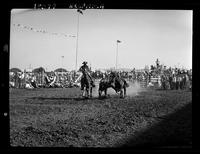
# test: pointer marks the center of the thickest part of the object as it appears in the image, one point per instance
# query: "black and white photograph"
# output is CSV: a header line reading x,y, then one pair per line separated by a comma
x,y
100,78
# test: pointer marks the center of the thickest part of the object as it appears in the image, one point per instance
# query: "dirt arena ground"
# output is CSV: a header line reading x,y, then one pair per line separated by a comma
x,y
55,117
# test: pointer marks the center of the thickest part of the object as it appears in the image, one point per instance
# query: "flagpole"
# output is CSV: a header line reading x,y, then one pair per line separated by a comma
x,y
77,40
116,56
62,64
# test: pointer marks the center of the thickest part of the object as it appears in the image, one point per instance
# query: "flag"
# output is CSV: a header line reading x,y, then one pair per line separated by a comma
x,y
79,11
118,41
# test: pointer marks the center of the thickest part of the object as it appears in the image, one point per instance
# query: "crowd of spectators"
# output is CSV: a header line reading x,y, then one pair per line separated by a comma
x,y
42,79
157,76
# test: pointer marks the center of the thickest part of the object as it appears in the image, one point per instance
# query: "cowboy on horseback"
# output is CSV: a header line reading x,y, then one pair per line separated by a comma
x,y
85,68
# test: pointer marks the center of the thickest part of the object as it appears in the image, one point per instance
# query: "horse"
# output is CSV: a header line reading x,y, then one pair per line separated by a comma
x,y
114,81
104,84
86,85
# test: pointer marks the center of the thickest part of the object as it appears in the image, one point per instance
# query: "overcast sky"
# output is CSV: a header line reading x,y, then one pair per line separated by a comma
x,y
144,34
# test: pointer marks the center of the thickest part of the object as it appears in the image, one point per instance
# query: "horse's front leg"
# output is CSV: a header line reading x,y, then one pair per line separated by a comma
x,y
124,91
90,92
87,92
105,91
121,94
83,92
100,93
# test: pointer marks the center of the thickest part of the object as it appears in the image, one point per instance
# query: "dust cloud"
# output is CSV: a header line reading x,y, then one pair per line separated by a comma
x,y
133,89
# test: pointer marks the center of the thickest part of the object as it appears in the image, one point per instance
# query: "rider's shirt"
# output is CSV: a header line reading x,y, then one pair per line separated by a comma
x,y
85,68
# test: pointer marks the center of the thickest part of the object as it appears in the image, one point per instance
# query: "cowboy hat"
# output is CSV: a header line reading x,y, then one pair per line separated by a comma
x,y
84,62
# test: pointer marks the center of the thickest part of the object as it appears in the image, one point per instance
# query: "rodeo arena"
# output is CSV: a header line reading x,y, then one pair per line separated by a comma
x,y
150,107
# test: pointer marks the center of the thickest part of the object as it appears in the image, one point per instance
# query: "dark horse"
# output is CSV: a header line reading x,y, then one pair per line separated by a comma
x,y
113,81
86,85
104,84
